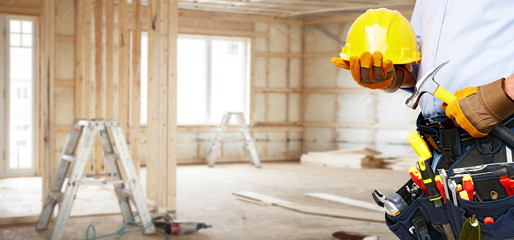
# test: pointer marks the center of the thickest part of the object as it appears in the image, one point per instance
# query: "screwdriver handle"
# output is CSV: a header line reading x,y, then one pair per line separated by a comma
x,y
428,176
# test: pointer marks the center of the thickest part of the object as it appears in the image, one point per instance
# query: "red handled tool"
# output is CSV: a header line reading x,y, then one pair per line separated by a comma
x,y
416,178
468,186
440,186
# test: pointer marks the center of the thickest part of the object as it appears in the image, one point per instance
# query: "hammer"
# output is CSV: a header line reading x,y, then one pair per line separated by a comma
x,y
427,84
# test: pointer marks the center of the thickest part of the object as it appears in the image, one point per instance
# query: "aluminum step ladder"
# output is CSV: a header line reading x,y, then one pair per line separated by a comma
x,y
214,152
115,153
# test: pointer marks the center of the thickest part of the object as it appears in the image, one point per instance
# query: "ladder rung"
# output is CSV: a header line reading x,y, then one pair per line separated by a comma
x,y
69,158
101,182
57,196
98,175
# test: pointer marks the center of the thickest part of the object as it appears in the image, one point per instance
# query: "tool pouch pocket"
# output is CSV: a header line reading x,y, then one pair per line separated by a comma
x,y
502,211
402,225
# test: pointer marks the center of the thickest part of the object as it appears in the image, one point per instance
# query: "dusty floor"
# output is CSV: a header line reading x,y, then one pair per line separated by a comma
x,y
205,195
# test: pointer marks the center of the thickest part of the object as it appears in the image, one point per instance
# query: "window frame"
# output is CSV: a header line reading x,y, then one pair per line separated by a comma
x,y
5,170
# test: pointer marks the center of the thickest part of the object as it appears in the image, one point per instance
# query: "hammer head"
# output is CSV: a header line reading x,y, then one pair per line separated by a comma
x,y
424,85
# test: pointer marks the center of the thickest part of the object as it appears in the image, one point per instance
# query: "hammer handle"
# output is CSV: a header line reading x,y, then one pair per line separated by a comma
x,y
444,95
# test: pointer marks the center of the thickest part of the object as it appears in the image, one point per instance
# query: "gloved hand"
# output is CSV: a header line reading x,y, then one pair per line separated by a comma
x,y
479,109
370,71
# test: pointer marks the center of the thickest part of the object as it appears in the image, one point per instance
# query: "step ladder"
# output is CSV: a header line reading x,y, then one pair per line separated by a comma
x,y
214,152
115,153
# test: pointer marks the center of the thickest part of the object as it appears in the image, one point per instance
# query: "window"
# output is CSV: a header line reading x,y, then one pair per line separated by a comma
x,y
212,78
17,82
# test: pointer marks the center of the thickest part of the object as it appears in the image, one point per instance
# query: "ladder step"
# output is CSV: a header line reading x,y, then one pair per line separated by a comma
x,y
69,158
98,175
101,182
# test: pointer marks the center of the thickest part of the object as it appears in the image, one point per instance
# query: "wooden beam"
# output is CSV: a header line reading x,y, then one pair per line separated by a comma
x,y
79,59
136,85
152,123
349,8
33,11
64,38
99,85
171,145
124,66
109,60
47,95
88,81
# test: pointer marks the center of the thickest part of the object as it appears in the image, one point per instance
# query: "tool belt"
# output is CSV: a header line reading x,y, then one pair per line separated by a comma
x,y
459,153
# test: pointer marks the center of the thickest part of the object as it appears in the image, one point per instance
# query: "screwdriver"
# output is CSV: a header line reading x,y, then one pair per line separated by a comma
x,y
468,186
440,187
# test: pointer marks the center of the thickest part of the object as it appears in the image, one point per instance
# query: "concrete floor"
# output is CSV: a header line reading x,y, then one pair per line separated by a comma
x,y
205,195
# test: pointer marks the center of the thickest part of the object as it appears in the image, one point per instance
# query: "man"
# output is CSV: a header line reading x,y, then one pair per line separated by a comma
x,y
477,37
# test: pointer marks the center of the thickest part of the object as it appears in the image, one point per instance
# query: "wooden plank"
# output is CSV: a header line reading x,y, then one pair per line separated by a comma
x,y
329,212
151,173
136,86
216,32
17,10
347,201
48,96
99,85
79,59
171,188
162,31
88,81
109,60
124,66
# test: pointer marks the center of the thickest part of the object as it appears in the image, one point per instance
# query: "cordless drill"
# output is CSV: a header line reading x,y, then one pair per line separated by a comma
x,y
172,226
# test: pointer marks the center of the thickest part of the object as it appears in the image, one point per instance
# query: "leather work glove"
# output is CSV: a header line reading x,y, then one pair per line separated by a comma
x,y
370,71
479,109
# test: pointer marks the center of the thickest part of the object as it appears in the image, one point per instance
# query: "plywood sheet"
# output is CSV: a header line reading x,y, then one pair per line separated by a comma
x,y
186,145
260,140
317,139
317,41
319,107
319,72
64,61
259,108
279,39
294,102
391,109
65,17
294,73
278,73
277,144
355,108
64,106
277,107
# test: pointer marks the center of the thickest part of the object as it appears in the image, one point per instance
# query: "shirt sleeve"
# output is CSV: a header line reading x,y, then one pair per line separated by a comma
x,y
416,20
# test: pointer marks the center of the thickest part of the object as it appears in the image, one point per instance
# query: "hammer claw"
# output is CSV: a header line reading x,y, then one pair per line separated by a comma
x,y
427,85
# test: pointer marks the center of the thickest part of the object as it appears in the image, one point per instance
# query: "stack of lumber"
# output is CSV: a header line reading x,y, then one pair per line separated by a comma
x,y
402,163
350,158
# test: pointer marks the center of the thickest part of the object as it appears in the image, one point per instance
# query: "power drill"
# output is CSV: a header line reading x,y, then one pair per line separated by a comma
x,y
172,226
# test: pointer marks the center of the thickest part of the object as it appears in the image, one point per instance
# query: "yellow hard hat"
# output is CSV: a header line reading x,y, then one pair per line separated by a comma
x,y
383,30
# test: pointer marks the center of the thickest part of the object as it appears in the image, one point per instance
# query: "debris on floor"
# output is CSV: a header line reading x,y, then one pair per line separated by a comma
x,y
351,158
322,211
347,201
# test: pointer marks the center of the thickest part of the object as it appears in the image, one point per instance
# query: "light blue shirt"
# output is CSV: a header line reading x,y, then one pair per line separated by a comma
x,y
476,36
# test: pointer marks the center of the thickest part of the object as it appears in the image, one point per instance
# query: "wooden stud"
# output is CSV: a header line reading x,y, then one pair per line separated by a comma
x,y
136,85
99,85
47,95
79,59
151,172
124,74
109,59
87,84
171,145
